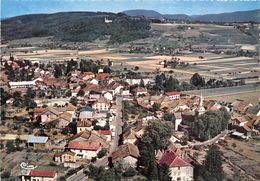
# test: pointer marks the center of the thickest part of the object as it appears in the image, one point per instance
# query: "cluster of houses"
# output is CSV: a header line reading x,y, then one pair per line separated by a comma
x,y
95,111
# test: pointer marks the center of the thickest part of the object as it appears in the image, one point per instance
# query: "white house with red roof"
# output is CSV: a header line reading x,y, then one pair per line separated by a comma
x,y
173,95
180,169
43,175
85,150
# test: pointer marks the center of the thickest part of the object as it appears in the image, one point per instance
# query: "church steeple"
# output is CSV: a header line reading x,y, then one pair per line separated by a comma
x,y
201,109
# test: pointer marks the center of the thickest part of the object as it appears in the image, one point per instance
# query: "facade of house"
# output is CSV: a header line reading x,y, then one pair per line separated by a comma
x,y
37,142
102,104
40,175
173,95
84,125
84,150
180,169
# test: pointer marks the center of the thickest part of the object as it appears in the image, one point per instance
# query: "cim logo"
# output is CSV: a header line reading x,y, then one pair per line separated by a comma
x,y
26,166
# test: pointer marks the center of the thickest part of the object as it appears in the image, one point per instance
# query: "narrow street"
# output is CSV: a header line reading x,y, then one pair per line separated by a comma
x,y
118,123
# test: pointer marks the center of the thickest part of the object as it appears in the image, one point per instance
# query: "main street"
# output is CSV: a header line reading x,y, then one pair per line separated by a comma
x,y
118,123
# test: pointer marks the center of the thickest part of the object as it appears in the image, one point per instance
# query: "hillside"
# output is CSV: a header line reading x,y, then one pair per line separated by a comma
x,y
239,16
76,26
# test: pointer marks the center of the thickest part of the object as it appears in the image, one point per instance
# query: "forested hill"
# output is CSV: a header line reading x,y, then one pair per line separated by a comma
x,y
76,26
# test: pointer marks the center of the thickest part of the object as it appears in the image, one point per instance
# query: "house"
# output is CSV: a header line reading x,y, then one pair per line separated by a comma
x,y
109,96
102,104
102,76
95,94
85,150
239,120
173,95
126,152
241,106
37,142
178,120
138,81
91,136
67,156
84,125
140,91
125,92
180,169
94,81
115,87
87,75
62,120
24,84
49,114
40,175
129,136
86,113
107,133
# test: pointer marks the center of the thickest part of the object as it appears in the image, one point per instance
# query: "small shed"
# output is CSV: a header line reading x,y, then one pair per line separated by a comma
x,y
37,142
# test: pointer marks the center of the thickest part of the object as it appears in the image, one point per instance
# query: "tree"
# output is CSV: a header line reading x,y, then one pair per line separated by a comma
x,y
147,159
10,147
236,175
130,172
4,96
159,82
164,173
57,71
212,166
210,124
74,101
100,174
101,153
158,133
197,80
155,107
30,93
81,93
107,69
171,84
185,86
169,117
6,174
142,83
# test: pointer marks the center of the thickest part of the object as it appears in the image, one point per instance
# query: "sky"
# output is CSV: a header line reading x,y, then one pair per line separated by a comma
x,y
10,8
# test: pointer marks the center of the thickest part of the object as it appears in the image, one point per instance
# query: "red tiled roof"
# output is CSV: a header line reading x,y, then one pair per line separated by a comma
x,y
84,145
125,150
102,76
105,132
172,160
38,110
172,93
42,173
87,73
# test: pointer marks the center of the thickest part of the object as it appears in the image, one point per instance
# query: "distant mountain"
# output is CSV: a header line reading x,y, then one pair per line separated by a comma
x,y
143,12
239,16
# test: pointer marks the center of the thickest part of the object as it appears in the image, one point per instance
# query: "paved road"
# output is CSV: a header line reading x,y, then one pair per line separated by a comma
x,y
80,176
225,90
211,141
118,123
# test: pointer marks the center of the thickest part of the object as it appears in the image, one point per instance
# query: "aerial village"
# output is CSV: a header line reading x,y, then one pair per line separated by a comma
x,y
64,122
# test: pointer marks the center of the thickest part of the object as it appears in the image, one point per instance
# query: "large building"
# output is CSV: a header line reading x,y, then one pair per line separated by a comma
x,y
180,169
